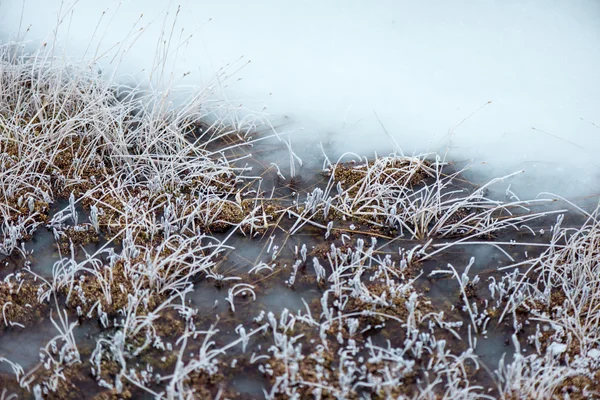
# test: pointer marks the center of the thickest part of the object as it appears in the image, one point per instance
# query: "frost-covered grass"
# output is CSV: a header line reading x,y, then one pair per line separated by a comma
x,y
153,179
558,293
165,191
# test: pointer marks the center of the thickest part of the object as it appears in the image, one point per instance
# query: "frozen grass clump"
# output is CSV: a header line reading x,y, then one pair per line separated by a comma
x,y
154,180
411,197
556,300
66,133
345,351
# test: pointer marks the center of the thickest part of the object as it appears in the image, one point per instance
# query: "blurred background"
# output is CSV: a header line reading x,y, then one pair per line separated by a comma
x,y
510,85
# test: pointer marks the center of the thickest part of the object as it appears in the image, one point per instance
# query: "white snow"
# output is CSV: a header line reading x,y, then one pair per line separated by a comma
x,y
342,69
594,354
557,348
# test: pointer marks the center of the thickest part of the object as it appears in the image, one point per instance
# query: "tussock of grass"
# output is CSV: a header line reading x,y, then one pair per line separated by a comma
x,y
559,294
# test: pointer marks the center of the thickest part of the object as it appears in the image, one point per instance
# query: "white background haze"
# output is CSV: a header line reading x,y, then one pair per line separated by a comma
x,y
422,67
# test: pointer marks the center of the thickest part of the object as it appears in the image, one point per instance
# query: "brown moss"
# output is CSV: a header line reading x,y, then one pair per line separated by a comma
x,y
323,250
113,395
120,285
71,387
206,386
308,372
470,291
266,213
229,214
19,301
396,305
391,171
80,235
